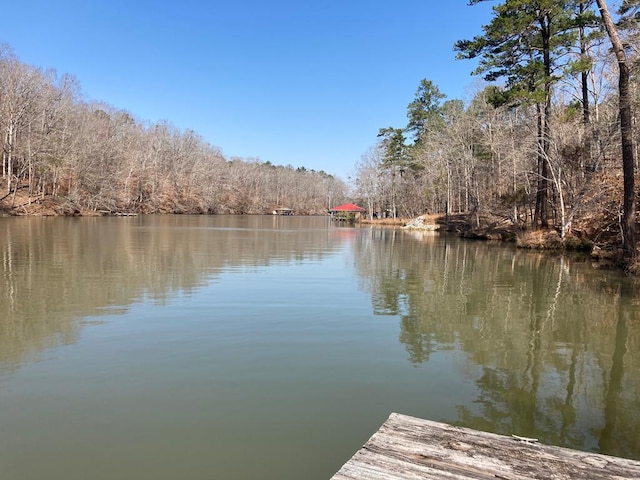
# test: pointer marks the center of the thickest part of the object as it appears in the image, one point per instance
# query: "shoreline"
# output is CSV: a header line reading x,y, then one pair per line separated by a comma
x,y
603,249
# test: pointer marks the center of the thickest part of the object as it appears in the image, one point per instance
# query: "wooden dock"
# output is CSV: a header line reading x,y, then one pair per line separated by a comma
x,y
411,448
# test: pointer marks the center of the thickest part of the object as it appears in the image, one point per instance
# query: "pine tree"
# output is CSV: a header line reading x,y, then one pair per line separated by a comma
x,y
425,112
524,44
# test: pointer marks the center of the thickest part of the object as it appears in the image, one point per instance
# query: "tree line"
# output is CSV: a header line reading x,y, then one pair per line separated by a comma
x,y
550,126
93,157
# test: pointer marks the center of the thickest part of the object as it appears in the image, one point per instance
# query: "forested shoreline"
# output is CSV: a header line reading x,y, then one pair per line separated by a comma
x,y
546,143
64,155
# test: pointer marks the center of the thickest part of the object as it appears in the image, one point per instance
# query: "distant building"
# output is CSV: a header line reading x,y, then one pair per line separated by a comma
x,y
348,211
283,211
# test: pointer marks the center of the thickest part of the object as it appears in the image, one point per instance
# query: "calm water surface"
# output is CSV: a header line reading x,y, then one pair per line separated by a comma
x,y
194,347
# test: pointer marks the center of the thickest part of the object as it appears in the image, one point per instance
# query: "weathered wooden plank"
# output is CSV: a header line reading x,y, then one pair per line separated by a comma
x,y
408,448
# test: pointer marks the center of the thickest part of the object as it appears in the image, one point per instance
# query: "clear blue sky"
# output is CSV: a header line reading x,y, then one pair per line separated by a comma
x,y
292,82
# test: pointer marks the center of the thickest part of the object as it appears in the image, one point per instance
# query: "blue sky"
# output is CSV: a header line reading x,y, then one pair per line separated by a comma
x,y
294,83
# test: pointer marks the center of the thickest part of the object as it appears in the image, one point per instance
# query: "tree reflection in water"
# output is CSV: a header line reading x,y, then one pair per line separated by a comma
x,y
550,344
556,341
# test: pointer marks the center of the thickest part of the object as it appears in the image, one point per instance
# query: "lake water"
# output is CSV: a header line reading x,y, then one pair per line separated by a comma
x,y
223,347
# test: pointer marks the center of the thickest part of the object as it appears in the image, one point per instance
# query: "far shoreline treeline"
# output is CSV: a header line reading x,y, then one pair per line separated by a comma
x,y
64,155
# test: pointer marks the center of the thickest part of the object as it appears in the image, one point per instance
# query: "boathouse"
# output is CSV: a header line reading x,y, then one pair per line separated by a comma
x,y
282,211
348,211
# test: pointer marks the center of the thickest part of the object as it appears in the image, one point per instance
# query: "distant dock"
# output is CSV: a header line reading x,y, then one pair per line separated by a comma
x,y
282,211
411,448
109,213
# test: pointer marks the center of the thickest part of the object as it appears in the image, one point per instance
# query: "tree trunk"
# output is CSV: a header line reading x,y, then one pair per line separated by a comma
x,y
546,125
584,84
628,164
9,157
541,211
626,133
544,130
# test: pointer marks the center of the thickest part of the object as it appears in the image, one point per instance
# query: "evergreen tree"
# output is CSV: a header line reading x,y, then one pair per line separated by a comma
x,y
393,146
524,44
425,111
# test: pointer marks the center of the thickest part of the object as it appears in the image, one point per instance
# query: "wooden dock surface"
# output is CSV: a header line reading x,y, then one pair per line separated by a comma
x,y
411,448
